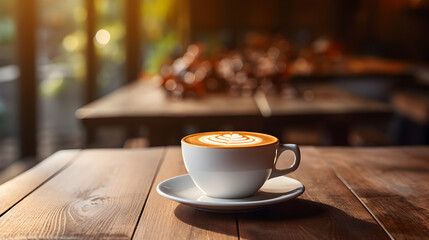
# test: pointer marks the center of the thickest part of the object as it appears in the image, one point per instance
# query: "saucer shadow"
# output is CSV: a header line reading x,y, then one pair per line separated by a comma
x,y
289,210
302,215
224,223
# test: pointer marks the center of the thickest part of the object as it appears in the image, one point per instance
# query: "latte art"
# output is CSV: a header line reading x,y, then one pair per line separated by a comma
x,y
230,139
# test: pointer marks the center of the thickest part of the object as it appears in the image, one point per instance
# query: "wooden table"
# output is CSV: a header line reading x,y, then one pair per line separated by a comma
x,y
143,104
351,193
360,66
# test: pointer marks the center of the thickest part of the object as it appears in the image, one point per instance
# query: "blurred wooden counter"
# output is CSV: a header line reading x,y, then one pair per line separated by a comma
x,y
144,104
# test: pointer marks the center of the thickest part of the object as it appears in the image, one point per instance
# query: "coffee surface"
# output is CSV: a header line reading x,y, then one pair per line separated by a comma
x,y
229,139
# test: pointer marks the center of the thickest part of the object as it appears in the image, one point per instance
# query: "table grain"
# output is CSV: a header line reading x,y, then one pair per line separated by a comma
x,y
351,193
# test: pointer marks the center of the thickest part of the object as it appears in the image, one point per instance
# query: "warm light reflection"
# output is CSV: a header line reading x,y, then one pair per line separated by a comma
x,y
102,36
70,43
75,41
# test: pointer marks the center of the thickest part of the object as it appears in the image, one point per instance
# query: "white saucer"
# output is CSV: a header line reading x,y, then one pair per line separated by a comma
x,y
183,190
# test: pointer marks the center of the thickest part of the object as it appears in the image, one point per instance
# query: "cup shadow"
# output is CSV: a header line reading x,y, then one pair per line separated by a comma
x,y
289,210
295,212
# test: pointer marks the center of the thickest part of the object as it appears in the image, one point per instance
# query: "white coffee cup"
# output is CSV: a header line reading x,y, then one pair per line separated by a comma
x,y
222,168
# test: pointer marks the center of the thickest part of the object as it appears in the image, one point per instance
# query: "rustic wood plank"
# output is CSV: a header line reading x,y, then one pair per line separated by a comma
x,y
17,188
326,210
165,219
391,182
99,196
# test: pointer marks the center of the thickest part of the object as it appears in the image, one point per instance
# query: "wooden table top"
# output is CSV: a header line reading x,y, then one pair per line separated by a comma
x,y
351,193
143,100
325,99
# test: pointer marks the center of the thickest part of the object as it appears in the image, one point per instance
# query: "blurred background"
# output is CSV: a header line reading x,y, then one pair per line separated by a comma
x,y
58,55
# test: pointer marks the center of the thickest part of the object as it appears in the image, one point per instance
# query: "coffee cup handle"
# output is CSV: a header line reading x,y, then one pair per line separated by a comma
x,y
284,147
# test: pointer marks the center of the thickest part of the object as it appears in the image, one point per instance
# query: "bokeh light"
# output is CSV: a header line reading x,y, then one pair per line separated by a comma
x,y
75,41
70,43
102,36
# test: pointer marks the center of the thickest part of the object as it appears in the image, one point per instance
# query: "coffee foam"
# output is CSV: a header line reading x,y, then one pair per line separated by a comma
x,y
232,139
